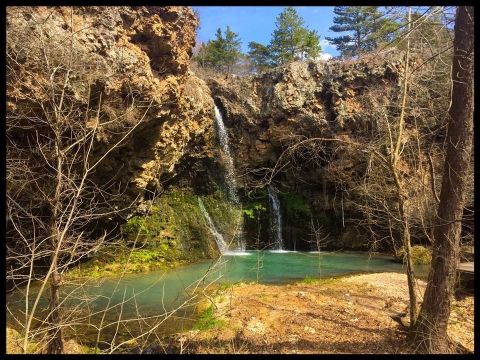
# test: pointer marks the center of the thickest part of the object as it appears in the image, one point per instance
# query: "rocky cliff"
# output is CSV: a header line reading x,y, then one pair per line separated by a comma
x,y
132,60
267,111
130,69
123,73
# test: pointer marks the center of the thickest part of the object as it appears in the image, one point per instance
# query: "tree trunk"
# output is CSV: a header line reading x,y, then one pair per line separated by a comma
x,y
430,333
55,344
405,219
403,204
412,295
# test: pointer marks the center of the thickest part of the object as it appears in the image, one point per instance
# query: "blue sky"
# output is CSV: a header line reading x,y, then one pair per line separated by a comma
x,y
256,23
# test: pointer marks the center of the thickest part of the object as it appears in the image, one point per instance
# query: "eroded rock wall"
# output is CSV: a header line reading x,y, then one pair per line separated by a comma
x,y
124,73
135,62
267,113
301,99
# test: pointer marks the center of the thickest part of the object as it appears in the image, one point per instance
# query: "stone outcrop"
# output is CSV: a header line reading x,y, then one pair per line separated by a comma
x,y
268,112
135,61
311,99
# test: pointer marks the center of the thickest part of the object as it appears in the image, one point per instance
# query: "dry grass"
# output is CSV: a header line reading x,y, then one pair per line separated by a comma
x,y
346,315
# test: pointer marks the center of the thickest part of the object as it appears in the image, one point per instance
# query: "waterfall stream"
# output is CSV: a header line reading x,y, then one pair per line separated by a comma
x,y
230,181
229,166
275,218
222,245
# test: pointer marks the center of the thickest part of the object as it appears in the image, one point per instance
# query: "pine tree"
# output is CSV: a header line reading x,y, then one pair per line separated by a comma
x,y
221,53
311,47
291,40
231,49
367,27
259,55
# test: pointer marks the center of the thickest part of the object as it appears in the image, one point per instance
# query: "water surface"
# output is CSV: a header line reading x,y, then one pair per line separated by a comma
x,y
157,292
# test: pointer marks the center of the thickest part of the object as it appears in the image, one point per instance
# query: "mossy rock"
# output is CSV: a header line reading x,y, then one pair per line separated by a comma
x,y
295,206
113,260
174,232
420,255
175,220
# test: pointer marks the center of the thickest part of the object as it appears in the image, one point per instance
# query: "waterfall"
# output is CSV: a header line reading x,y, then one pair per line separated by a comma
x,y
230,182
222,245
276,218
229,166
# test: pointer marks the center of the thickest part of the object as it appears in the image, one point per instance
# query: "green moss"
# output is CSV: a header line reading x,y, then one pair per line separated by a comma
x,y
208,320
112,260
295,206
174,232
134,225
175,221
227,217
90,350
309,280
420,255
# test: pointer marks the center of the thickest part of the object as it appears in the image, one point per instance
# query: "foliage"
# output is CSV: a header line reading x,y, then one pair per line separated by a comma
x,y
291,40
295,206
420,255
253,208
260,55
221,53
208,320
366,27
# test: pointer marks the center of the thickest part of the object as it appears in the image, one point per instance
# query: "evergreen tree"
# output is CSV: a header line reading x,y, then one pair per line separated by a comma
x,y
231,48
311,47
259,55
291,40
221,53
367,28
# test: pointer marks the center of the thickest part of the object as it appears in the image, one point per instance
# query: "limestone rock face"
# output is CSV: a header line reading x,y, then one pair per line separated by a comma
x,y
135,62
266,112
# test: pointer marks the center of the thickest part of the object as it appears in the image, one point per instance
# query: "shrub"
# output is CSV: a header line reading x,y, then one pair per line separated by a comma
x,y
420,255
252,209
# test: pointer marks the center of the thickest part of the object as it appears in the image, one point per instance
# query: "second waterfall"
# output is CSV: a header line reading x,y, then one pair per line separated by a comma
x,y
230,181
275,219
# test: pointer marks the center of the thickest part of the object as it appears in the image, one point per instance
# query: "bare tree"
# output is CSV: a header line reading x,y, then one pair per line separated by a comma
x,y
53,198
430,333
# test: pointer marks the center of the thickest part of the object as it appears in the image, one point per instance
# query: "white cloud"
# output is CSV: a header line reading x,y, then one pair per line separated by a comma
x,y
324,43
324,56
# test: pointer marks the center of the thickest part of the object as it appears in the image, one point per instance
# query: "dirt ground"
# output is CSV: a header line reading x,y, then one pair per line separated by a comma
x,y
343,315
